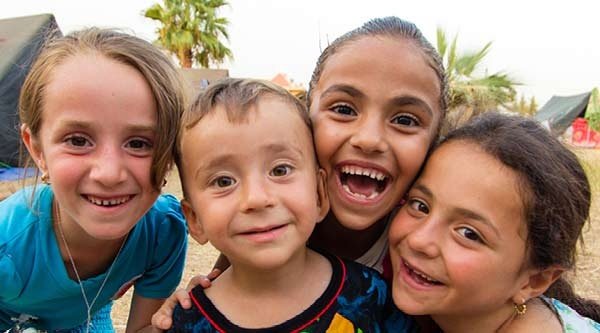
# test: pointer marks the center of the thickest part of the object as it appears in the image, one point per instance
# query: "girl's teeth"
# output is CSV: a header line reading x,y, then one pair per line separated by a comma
x,y
111,202
356,170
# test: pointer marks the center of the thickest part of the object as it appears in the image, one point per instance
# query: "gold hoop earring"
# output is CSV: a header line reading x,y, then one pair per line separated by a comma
x,y
520,309
45,178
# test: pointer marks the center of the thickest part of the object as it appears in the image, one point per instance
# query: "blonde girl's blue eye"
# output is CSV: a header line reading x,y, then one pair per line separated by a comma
x,y
139,144
343,109
469,234
281,170
78,141
405,120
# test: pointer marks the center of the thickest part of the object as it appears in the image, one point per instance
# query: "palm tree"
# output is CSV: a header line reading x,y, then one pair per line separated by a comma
x,y
593,110
191,30
470,94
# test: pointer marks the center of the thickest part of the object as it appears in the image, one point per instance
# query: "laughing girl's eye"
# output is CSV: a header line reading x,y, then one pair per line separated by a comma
x,y
78,141
343,109
405,120
418,206
281,170
223,182
469,234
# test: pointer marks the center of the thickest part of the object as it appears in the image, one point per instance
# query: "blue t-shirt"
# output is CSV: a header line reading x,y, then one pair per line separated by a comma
x,y
34,285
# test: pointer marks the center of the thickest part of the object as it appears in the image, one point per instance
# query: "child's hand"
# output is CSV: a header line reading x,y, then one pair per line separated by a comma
x,y
162,319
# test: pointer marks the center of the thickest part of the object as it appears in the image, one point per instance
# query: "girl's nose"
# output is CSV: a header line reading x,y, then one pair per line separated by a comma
x,y
424,240
370,136
109,167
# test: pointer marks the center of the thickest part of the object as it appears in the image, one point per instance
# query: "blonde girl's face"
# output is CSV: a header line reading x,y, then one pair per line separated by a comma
x,y
95,143
458,244
375,111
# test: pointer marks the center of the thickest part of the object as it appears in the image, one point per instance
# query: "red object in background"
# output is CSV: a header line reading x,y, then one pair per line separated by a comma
x,y
583,135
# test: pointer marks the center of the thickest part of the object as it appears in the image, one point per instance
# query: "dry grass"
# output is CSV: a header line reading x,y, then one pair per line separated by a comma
x,y
200,259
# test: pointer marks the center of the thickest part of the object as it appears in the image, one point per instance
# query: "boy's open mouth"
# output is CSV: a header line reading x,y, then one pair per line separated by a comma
x,y
363,183
107,202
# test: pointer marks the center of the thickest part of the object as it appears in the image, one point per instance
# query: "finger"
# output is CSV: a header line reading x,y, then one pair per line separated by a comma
x,y
182,297
198,280
214,274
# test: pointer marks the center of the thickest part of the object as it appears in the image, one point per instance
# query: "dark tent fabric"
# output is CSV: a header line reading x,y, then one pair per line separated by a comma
x,y
560,111
20,41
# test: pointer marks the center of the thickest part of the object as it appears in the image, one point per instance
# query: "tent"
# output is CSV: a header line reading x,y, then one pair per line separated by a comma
x,y
561,111
20,41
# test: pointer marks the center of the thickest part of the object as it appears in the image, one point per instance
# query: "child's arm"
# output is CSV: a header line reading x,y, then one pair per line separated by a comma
x,y
141,311
162,319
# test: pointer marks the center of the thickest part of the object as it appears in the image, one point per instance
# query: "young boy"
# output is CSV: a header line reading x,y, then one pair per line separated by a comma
x,y
252,187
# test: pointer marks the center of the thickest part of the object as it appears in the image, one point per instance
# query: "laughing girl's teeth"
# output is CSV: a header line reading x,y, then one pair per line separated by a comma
x,y
356,170
111,202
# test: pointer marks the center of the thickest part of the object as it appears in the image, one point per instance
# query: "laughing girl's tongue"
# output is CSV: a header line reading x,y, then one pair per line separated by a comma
x,y
364,186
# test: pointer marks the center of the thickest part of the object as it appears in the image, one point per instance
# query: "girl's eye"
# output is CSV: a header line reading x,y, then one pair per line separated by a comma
x,y
281,170
223,182
419,206
405,120
139,144
343,110
78,141
469,234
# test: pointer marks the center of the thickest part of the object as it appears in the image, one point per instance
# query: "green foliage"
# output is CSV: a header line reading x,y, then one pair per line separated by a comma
x,y
593,110
524,107
468,91
191,30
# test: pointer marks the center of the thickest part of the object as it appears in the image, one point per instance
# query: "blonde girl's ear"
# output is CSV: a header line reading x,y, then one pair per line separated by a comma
x,y
536,282
322,196
194,225
33,147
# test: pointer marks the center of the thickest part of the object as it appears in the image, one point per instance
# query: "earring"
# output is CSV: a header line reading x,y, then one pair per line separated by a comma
x,y
45,178
520,309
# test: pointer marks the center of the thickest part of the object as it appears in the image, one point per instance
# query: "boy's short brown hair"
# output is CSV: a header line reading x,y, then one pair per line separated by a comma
x,y
236,96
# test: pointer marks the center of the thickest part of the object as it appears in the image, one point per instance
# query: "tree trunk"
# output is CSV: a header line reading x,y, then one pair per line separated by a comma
x,y
185,58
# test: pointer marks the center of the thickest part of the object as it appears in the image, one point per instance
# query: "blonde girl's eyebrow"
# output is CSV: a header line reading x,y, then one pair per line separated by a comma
x,y
84,125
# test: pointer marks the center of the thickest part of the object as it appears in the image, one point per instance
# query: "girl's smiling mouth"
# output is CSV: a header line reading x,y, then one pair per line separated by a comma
x,y
364,183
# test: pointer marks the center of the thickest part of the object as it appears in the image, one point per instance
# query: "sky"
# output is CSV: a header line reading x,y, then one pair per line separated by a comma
x,y
550,47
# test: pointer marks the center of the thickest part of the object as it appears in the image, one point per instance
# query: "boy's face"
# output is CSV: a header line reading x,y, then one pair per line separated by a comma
x,y
253,187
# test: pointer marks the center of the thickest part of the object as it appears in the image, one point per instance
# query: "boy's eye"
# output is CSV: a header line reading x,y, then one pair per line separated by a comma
x,y
419,206
223,182
343,110
78,141
281,170
405,120
469,234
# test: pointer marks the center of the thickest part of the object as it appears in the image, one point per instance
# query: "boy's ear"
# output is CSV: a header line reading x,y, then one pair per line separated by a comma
x,y
194,225
33,147
322,196
536,282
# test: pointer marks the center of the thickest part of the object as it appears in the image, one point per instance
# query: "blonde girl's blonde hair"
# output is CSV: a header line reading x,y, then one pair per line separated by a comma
x,y
157,69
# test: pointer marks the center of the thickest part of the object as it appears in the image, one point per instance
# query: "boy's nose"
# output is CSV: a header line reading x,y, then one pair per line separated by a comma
x,y
108,167
256,195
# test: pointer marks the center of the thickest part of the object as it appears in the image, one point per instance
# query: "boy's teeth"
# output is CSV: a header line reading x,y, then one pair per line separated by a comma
x,y
356,170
